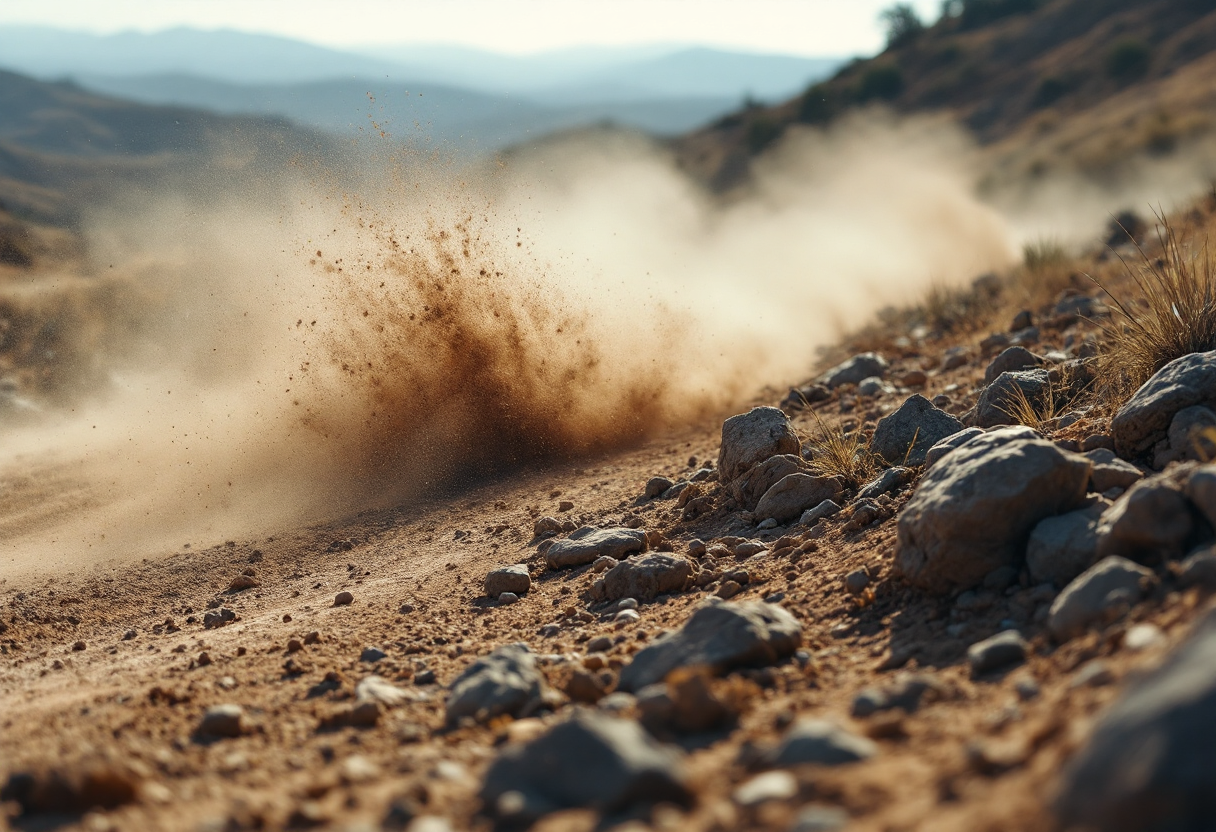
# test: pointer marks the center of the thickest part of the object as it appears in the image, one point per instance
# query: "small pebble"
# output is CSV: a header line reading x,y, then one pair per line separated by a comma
x,y
343,598
1142,637
507,598
999,651
627,604
222,721
372,654
626,617
772,785
599,644
78,646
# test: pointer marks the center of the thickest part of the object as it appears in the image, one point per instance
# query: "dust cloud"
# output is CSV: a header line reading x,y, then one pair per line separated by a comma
x,y
268,362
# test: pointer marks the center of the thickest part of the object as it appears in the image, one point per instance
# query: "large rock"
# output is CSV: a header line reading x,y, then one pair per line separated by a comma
x,y
1150,764
1063,547
506,682
1107,585
718,638
1011,361
1002,398
1150,522
750,438
856,370
589,761
645,577
587,544
1145,419
1111,472
948,444
974,510
750,486
794,494
905,436
508,579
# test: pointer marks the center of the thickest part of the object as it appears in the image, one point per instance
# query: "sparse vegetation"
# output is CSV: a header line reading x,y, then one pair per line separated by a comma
x,y
1047,269
881,82
836,452
1128,60
975,13
1058,397
903,24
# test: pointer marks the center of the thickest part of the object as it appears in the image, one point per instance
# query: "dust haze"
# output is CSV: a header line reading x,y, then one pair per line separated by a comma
x,y
245,362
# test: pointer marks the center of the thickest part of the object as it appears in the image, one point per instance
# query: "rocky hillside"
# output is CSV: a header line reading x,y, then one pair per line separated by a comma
x,y
1055,83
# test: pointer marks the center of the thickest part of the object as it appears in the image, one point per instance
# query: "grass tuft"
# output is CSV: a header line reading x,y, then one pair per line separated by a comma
x,y
835,453
1058,397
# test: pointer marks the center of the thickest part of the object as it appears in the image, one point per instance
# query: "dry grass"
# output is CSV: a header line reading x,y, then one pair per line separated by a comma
x,y
1174,314
1047,269
1059,397
835,453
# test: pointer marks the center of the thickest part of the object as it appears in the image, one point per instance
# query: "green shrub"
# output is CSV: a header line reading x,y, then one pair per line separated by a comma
x,y
1127,60
976,13
882,82
903,24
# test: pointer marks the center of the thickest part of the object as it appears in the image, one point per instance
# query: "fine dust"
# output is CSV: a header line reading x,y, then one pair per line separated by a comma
x,y
284,361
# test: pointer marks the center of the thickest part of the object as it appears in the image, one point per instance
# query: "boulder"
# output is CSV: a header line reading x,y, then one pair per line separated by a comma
x,y
1098,591
856,370
508,579
1150,763
718,638
645,577
587,544
1011,361
1001,397
819,742
1063,547
749,487
906,435
750,438
948,444
794,494
1150,522
1145,419
589,761
1111,472
973,512
505,682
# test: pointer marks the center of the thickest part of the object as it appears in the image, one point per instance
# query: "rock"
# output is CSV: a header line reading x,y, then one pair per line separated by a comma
x,y
914,378
504,682
905,693
508,579
1148,764
857,581
1111,472
506,599
1023,319
1188,435
1103,587
856,370
813,515
1000,398
729,589
1201,490
645,577
588,688
1095,674
1010,361
973,512
906,435
372,654
948,444
750,438
873,386
343,599
888,480
218,618
749,487
603,563
377,689
719,638
546,527
587,544
599,644
1063,547
243,581
766,787
1001,650
1096,441
657,486
68,790
1199,570
626,617
1150,522
591,760
820,742
955,357
1145,419
820,819
1143,637
222,721
794,494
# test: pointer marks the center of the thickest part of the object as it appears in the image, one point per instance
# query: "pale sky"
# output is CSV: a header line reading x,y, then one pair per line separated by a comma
x,y
803,27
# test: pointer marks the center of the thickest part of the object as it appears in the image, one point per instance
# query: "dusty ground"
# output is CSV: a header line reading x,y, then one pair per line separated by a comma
x,y
109,668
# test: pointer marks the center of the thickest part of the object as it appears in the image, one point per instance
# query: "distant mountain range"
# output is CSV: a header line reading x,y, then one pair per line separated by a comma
x,y
475,100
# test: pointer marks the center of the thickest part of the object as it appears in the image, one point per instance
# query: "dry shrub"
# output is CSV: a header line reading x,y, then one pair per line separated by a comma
x,y
1174,314
1059,397
835,453
1047,269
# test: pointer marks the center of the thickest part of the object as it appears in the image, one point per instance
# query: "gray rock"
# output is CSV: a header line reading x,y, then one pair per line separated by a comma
x,y
750,438
905,692
820,742
508,579
645,577
794,494
1145,419
1150,522
720,637
222,721
587,544
1150,763
546,527
764,788
888,480
591,760
948,444
656,486
1089,599
372,654
905,436
750,486
1000,398
1199,570
1187,433
955,357
1201,490
1011,361
856,370
1001,650
857,581
1063,547
873,386
674,492
504,682
505,599
973,512
813,515
377,689
1111,472
820,819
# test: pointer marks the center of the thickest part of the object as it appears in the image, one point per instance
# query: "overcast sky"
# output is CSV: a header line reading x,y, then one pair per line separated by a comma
x,y
804,27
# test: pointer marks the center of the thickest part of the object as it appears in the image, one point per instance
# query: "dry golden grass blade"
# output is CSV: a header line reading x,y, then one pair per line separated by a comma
x,y
1058,398
837,454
